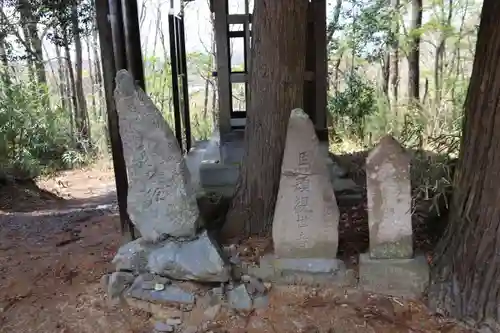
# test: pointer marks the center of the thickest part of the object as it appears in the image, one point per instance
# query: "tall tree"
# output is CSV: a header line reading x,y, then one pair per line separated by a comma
x,y
81,116
394,57
414,54
465,274
277,78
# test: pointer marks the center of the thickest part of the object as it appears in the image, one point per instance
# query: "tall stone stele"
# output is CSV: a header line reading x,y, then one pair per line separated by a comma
x,y
306,215
391,266
161,199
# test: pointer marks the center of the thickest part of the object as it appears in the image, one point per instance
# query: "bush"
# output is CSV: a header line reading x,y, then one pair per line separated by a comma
x,y
34,136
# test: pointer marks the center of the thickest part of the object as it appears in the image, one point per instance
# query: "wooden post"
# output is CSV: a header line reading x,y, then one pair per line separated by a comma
x,y
321,68
109,71
133,41
116,21
223,63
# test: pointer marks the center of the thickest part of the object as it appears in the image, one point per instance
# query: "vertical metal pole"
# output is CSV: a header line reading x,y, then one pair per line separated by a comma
x,y
131,30
175,78
109,70
118,42
185,90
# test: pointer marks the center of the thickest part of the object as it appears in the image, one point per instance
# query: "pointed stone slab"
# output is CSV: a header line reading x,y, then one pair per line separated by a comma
x,y
161,199
306,215
389,201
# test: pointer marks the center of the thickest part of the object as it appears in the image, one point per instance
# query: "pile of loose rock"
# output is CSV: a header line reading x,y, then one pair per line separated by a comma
x,y
175,261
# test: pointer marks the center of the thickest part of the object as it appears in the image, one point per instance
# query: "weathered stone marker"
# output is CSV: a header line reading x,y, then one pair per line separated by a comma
x,y
306,216
389,201
161,199
390,267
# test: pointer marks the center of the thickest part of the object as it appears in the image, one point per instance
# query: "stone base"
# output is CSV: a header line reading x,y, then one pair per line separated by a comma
x,y
304,271
395,277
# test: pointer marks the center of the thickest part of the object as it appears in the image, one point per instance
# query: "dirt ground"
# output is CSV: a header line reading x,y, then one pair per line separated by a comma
x,y
53,253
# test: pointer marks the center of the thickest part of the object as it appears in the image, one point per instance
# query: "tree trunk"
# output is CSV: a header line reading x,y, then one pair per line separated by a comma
x,y
440,55
82,124
71,91
32,39
62,79
277,77
386,73
395,54
414,56
465,275
333,24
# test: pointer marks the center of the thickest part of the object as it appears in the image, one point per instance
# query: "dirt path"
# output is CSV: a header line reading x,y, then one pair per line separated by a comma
x,y
53,253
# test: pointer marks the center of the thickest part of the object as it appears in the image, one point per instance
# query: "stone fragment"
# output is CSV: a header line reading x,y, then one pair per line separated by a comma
x,y
161,327
200,259
105,281
161,198
389,201
170,294
174,321
239,298
254,285
306,215
133,256
118,282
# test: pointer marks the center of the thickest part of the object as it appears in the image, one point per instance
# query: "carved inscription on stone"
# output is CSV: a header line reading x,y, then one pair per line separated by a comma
x,y
306,213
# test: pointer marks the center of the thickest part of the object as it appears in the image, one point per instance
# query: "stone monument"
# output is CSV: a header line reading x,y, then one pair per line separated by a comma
x,y
161,198
306,217
390,267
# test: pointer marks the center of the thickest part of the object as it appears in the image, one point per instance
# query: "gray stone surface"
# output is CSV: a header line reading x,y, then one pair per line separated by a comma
x,y
201,260
389,201
170,294
161,198
163,327
117,283
133,256
239,298
303,271
217,174
395,277
306,215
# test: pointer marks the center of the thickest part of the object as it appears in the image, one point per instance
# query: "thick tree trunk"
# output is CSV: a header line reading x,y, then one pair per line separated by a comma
x,y
414,56
465,274
277,78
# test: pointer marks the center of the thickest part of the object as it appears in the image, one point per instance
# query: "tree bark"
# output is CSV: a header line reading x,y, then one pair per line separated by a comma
x,y
81,119
71,91
62,79
414,56
465,275
395,54
277,77
440,54
32,39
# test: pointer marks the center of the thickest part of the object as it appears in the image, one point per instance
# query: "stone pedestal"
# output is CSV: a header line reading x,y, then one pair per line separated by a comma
x,y
395,277
303,271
